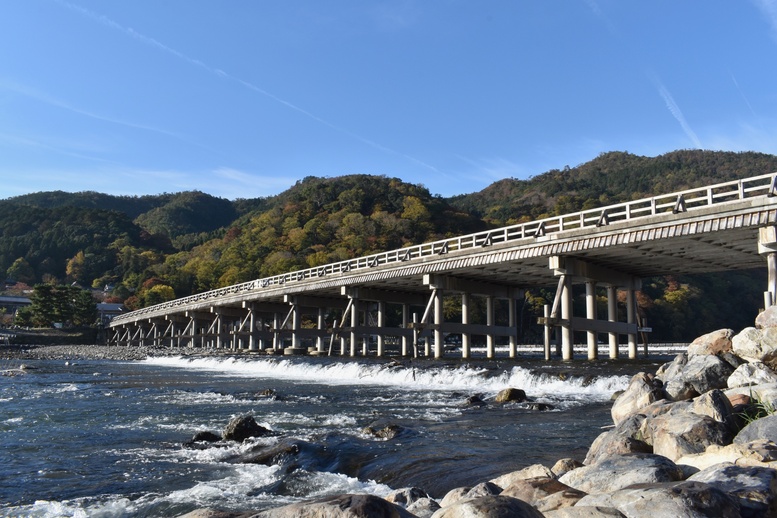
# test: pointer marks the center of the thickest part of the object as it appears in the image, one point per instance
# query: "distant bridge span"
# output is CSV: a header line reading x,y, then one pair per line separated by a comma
x,y
726,226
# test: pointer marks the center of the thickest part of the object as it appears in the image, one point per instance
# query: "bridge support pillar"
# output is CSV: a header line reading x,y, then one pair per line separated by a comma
x,y
590,313
276,334
252,342
513,338
465,336
612,316
381,324
405,324
631,306
439,347
767,246
321,326
490,349
354,296
567,334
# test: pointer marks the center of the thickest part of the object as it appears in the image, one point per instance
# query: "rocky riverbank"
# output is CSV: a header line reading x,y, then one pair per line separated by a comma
x,y
83,352
696,438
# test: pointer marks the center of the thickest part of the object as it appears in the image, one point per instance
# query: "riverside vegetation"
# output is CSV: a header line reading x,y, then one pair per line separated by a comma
x,y
697,438
144,250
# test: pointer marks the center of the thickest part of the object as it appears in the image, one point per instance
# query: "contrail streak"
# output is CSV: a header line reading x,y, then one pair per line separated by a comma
x,y
221,73
677,113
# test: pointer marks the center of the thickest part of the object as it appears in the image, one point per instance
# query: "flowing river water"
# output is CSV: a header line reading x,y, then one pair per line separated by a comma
x,y
106,438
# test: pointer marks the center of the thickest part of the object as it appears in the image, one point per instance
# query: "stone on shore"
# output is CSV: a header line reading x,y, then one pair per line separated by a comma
x,y
764,428
406,496
493,506
243,427
754,487
687,499
715,343
700,374
536,491
675,435
533,471
641,392
756,344
339,506
585,511
613,473
423,508
753,373
761,452
564,465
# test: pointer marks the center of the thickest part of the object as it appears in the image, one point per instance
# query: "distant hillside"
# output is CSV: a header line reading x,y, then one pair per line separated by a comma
x,y
155,248
610,178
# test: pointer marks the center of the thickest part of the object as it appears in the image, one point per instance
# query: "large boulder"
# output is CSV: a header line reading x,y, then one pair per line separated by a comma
x,y
767,318
641,392
675,435
423,508
754,487
764,428
612,443
713,404
756,344
494,506
587,511
754,373
510,394
680,499
406,496
536,491
242,427
533,471
339,506
700,374
613,473
715,343
756,453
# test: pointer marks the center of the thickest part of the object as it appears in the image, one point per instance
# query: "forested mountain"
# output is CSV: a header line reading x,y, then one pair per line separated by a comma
x,y
610,178
149,249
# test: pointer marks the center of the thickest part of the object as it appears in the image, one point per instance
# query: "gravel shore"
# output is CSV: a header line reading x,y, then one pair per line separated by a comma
x,y
84,352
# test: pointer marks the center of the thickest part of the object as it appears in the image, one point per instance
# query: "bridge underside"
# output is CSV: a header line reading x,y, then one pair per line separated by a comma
x,y
396,307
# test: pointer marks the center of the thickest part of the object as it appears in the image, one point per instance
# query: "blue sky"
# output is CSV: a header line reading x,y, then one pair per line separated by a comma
x,y
242,98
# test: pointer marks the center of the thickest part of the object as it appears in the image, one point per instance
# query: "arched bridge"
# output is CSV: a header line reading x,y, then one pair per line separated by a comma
x,y
385,302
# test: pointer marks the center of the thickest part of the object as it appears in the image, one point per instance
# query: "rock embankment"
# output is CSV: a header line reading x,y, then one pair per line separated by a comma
x,y
697,438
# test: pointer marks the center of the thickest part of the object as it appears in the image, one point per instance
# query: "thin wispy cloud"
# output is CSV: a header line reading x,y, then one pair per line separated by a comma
x,y
744,98
769,10
225,75
674,109
53,101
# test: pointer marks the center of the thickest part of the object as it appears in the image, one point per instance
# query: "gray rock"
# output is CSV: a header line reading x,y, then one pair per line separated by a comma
x,y
612,443
585,511
510,394
713,404
715,343
756,344
406,496
679,499
564,465
533,471
423,508
339,506
767,318
613,473
242,427
536,491
640,393
483,489
764,428
453,496
706,372
675,435
754,373
755,487
494,506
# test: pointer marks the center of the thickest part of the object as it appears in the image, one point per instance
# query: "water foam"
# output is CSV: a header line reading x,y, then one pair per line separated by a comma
x,y
464,377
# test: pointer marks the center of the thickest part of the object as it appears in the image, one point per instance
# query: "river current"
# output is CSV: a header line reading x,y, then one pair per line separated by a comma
x,y
106,438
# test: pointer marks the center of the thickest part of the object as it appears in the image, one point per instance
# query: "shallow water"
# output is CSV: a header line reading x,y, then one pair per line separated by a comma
x,y
100,438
